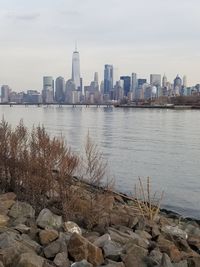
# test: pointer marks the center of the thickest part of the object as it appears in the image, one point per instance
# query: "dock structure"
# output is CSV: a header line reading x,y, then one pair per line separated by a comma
x,y
60,105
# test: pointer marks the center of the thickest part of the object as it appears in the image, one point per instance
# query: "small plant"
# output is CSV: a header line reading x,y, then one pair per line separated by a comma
x,y
147,203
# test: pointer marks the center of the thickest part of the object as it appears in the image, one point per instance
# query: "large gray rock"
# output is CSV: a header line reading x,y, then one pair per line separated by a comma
x,y
110,263
102,240
112,250
82,263
30,260
47,219
156,256
61,260
181,264
52,249
174,231
165,261
22,210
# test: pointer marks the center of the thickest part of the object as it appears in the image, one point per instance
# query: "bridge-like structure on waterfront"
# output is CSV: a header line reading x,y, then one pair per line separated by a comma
x,y
87,105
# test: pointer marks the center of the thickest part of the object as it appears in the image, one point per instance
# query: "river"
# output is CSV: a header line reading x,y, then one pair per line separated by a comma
x,y
161,144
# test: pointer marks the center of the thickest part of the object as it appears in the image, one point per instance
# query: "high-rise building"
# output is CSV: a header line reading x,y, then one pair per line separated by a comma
x,y
96,77
127,84
164,81
48,89
177,81
5,91
184,81
60,90
155,79
134,82
108,79
76,76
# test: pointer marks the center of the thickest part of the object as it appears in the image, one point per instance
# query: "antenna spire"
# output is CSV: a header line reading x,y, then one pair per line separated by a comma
x,y
75,46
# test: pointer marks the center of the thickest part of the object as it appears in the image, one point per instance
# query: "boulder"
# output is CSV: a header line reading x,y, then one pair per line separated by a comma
x,y
165,261
118,236
22,210
102,240
47,236
110,263
156,256
194,262
82,263
4,220
30,260
30,244
47,219
1,264
52,249
169,248
80,248
181,264
131,260
174,231
72,227
22,228
8,196
61,260
112,250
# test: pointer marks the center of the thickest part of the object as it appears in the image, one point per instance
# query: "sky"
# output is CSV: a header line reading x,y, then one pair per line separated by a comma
x,y
37,38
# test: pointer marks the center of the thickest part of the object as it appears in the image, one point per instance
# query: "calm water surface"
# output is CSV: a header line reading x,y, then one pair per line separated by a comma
x,y
162,144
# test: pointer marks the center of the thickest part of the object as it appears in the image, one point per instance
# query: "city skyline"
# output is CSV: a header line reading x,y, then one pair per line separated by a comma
x,y
134,36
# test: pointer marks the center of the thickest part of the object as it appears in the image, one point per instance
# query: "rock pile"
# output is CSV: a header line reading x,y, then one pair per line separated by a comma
x,y
46,240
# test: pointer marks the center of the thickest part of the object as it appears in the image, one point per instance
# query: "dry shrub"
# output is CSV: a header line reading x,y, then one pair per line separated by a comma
x,y
94,173
34,165
147,203
40,170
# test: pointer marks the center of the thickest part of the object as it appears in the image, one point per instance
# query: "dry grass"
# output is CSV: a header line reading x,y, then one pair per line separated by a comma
x,y
147,203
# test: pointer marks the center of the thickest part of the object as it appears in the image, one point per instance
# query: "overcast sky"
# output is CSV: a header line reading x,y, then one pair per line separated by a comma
x,y
37,38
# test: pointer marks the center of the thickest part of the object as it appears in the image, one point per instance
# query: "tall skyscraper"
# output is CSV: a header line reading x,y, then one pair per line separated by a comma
x,y
108,79
127,84
48,89
5,91
76,76
185,81
155,79
164,81
60,90
134,82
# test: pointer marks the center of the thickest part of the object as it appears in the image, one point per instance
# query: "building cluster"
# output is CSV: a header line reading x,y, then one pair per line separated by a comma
x,y
127,88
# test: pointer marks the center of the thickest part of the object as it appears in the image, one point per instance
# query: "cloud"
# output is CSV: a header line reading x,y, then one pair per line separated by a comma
x,y
23,16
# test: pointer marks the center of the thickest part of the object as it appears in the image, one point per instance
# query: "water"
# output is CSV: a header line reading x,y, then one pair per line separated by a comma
x,y
162,144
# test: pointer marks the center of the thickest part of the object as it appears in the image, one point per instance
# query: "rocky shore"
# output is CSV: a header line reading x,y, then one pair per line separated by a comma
x,y
28,239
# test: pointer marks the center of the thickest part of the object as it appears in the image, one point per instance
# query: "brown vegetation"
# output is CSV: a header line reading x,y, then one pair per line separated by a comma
x,y
41,170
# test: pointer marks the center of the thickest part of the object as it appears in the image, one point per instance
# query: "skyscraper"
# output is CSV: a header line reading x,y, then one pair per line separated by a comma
x,y
5,91
76,69
164,81
127,84
60,89
155,79
108,79
48,89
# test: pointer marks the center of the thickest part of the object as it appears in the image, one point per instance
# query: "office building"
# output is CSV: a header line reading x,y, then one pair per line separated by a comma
x,y
108,79
127,84
60,90
76,76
